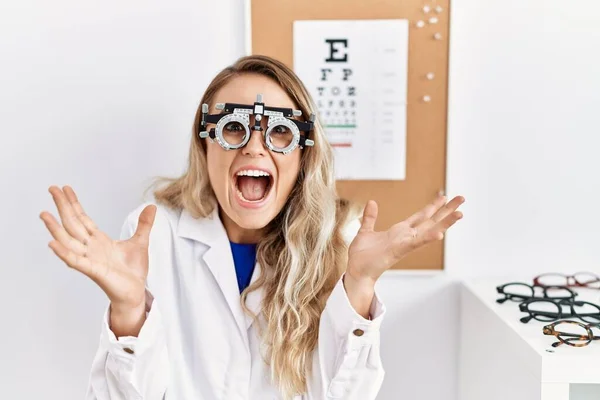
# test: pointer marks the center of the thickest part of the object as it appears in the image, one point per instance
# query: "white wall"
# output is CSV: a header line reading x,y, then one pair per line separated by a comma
x,y
100,95
524,136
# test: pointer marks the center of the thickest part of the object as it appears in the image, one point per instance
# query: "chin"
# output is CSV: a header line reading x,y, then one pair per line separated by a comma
x,y
253,221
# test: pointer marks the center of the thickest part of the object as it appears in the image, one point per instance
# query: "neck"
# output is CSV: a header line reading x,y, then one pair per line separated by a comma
x,y
237,234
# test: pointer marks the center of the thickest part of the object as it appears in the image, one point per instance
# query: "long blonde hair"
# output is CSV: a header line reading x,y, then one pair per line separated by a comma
x,y
303,253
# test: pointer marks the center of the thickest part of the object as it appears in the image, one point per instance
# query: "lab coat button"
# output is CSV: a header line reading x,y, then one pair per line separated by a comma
x,y
358,332
128,350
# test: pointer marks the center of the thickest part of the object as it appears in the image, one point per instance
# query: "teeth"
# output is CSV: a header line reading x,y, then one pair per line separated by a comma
x,y
252,172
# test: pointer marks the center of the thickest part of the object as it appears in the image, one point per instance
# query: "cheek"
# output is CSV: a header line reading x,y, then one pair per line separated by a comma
x,y
218,165
210,166
288,168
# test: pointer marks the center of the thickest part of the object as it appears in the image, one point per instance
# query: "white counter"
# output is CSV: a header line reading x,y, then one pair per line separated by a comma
x,y
502,358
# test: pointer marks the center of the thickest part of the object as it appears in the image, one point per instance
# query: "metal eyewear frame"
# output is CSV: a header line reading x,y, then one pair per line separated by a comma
x,y
241,113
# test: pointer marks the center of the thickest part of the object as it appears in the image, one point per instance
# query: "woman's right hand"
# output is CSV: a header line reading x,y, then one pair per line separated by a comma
x,y
119,267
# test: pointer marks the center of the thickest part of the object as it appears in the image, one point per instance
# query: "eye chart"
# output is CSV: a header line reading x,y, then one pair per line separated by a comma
x,y
356,72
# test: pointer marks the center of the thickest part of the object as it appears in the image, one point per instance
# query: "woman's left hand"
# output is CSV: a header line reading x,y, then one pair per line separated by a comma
x,y
371,253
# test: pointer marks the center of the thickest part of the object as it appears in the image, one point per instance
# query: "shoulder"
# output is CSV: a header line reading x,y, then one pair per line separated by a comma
x,y
351,213
350,230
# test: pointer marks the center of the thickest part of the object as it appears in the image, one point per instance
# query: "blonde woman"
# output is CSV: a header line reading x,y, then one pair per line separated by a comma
x,y
238,281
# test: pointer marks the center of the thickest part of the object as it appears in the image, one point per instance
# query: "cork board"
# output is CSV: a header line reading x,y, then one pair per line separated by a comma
x,y
271,23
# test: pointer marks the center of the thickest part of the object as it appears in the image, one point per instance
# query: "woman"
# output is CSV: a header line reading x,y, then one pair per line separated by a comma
x,y
238,283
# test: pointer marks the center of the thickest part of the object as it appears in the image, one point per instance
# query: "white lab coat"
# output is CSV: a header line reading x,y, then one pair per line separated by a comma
x,y
198,344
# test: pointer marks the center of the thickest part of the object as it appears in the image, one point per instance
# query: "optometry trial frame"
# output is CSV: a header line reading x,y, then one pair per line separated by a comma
x,y
232,131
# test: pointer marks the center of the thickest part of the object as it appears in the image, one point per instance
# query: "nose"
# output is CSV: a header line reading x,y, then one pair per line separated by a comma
x,y
256,144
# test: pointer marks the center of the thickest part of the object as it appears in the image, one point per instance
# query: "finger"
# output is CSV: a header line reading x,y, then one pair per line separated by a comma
x,y
67,215
145,222
425,238
449,207
61,235
426,213
369,216
78,262
442,226
87,222
437,232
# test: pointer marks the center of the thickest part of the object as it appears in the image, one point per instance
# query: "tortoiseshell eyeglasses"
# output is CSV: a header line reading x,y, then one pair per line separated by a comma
x,y
580,279
572,333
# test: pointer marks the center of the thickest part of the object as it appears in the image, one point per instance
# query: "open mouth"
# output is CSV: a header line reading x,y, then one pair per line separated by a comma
x,y
253,186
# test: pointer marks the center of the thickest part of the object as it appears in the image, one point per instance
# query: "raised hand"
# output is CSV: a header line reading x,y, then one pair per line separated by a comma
x,y
371,252
119,267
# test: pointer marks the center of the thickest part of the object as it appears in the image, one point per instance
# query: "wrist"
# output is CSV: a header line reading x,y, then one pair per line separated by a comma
x,y
360,292
360,279
123,310
130,304
127,320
